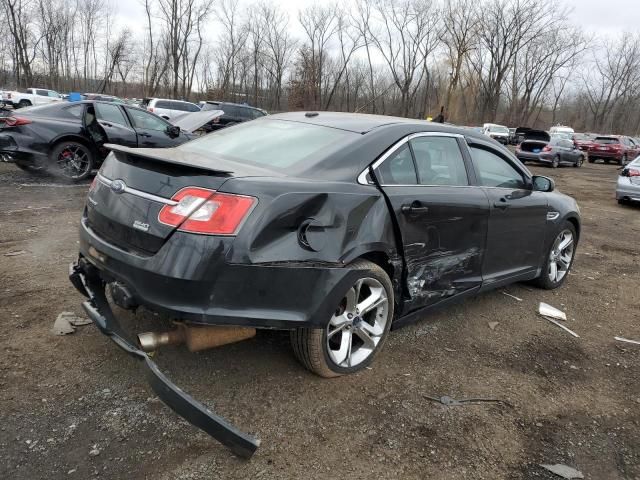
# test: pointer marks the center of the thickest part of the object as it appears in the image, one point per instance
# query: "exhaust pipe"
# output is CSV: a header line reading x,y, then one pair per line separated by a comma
x,y
196,338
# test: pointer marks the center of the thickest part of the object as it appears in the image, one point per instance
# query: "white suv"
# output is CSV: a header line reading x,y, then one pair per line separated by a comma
x,y
168,109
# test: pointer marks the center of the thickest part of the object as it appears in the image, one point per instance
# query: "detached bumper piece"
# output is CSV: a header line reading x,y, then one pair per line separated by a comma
x,y
86,278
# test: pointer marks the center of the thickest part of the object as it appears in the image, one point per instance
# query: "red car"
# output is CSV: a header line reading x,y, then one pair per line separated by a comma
x,y
583,141
615,148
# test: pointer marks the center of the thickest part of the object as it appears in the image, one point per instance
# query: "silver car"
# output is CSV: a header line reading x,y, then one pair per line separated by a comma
x,y
628,189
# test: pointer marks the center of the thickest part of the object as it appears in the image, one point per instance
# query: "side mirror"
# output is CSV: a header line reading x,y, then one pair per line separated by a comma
x,y
543,184
173,131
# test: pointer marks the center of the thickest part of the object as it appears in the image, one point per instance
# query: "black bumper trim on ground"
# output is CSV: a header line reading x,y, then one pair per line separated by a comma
x,y
86,279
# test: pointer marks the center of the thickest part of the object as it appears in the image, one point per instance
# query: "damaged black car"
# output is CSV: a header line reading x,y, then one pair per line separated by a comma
x,y
336,227
67,138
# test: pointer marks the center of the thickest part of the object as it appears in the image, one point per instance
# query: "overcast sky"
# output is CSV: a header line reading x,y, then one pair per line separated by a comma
x,y
603,17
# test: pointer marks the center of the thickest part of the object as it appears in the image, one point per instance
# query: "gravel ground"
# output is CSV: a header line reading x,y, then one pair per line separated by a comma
x,y
77,407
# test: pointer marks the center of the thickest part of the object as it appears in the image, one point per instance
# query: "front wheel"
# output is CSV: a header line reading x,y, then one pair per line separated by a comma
x,y
579,162
623,160
555,162
559,259
355,332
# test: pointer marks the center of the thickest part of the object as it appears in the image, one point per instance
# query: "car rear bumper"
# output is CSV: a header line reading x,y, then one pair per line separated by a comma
x,y
529,156
605,155
189,279
86,278
627,190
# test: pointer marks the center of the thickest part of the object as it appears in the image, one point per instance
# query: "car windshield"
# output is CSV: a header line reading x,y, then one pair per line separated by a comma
x,y
270,143
498,129
607,140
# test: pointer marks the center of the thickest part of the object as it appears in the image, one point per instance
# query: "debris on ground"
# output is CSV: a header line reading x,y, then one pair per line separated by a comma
x,y
452,402
493,325
512,296
547,310
13,254
555,322
95,451
622,339
563,471
66,322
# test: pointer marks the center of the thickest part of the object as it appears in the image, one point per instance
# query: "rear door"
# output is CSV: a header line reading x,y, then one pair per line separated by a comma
x,y
152,130
517,222
442,218
115,124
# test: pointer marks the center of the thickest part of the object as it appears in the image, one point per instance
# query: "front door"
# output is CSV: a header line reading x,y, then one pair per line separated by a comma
x,y
441,218
517,222
152,130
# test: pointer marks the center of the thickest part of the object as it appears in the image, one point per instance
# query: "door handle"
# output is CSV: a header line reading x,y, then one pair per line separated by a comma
x,y
143,134
105,124
414,207
502,204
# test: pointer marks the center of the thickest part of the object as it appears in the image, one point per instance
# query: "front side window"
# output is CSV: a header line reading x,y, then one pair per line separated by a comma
x,y
398,168
42,93
148,121
439,161
495,171
110,113
53,94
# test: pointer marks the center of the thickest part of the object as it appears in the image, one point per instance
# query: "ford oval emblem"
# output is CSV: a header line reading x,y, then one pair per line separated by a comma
x,y
118,186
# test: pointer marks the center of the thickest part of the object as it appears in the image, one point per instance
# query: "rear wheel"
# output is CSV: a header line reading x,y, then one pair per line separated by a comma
x,y
579,162
559,259
623,160
355,332
74,161
24,103
555,162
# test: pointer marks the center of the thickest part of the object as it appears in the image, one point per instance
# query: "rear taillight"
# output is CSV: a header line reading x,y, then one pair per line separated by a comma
x,y
546,148
150,109
632,172
15,121
93,184
207,212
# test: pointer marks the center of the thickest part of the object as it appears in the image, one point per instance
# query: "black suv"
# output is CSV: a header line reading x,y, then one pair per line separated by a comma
x,y
233,113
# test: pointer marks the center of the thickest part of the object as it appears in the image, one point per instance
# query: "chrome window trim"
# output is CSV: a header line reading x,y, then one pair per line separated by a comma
x,y
362,178
138,193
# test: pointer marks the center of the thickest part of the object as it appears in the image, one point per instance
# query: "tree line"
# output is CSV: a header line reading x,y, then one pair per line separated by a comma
x,y
516,62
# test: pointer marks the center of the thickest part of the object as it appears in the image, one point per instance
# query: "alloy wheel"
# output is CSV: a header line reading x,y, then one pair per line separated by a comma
x,y
359,323
74,161
561,256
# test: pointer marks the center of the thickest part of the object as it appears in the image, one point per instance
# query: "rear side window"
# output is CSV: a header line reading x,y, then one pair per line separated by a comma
x,y
495,171
42,93
110,113
230,110
607,140
439,161
273,143
74,111
398,168
163,104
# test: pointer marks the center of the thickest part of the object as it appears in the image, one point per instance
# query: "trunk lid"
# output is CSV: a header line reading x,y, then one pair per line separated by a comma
x,y
132,187
191,122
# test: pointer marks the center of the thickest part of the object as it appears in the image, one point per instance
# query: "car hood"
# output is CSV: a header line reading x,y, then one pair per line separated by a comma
x,y
540,135
192,121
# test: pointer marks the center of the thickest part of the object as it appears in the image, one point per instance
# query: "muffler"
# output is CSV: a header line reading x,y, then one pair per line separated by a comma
x,y
196,338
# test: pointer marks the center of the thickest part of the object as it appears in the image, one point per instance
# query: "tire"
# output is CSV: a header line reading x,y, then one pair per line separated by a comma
x,y
621,201
623,160
555,162
563,261
591,160
24,104
72,160
579,162
313,347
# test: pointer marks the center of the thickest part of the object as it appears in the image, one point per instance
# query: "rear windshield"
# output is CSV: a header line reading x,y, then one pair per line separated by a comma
x,y
498,129
270,143
607,140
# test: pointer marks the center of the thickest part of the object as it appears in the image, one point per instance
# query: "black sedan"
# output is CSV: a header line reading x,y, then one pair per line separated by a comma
x,y
333,226
68,138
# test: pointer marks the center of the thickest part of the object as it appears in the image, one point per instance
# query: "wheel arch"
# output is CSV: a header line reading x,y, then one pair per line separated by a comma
x,y
72,137
576,224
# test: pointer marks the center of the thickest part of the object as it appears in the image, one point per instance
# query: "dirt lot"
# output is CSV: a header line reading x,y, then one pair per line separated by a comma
x,y
571,400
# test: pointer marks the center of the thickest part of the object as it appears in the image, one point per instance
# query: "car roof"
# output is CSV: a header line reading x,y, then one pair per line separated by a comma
x,y
216,102
363,122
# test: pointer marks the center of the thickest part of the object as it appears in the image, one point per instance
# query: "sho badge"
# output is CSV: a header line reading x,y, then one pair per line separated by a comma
x,y
138,225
